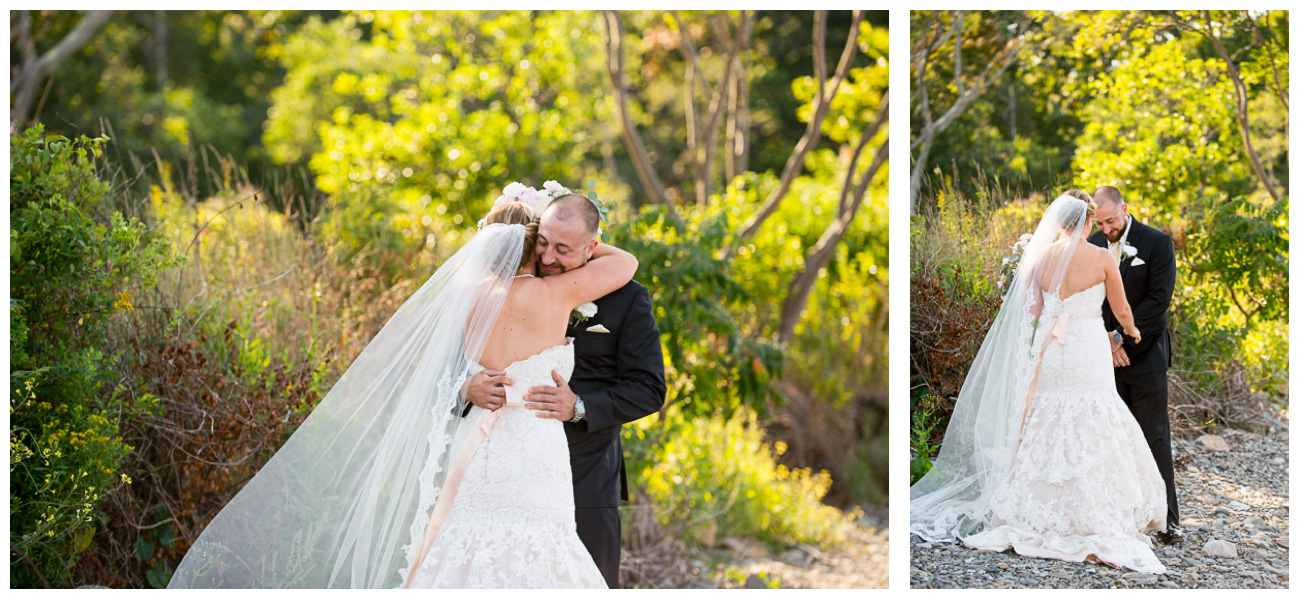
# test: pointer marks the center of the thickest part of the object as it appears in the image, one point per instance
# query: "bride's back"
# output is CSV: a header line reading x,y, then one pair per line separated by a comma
x,y
1075,270
531,320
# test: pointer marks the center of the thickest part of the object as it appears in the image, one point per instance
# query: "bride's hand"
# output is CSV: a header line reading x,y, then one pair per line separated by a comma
x,y
1135,334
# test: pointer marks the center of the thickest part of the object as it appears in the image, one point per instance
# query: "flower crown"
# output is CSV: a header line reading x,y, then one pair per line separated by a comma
x,y
538,200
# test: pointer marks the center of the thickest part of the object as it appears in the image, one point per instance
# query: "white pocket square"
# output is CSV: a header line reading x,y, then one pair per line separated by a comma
x,y
1137,261
598,329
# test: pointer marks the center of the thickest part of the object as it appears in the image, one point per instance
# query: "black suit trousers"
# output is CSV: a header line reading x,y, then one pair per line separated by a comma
x,y
600,531
1147,397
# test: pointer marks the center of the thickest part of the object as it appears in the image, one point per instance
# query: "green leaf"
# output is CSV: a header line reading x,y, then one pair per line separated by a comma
x,y
591,195
159,576
81,540
166,535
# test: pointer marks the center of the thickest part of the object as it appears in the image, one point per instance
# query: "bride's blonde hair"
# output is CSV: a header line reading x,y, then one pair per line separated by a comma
x,y
518,213
1070,221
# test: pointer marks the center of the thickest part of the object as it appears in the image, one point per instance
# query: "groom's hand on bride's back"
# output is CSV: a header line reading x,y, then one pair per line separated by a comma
x,y
552,401
487,390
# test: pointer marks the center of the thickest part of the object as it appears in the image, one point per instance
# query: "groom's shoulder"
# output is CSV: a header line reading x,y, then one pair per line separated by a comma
x,y
627,293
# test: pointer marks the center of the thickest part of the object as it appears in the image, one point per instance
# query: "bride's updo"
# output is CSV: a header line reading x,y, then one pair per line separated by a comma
x,y
518,213
1071,219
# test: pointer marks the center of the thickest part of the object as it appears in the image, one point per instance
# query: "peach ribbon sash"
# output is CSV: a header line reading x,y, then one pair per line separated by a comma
x,y
1057,334
441,507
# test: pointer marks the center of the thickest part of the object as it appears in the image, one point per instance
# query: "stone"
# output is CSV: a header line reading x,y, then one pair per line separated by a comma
x,y
1256,522
1060,574
746,547
1221,549
1234,505
1283,542
1003,565
755,582
1213,443
1136,577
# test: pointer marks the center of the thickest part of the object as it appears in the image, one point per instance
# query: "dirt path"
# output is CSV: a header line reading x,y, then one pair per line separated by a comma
x,y
861,562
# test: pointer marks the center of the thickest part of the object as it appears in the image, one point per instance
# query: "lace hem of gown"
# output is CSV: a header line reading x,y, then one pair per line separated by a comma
x,y
508,554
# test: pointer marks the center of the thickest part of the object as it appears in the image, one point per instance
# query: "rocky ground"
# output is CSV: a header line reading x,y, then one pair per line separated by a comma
x,y
862,562
1234,503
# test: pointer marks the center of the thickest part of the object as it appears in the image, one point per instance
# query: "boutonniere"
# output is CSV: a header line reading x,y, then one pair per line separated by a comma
x,y
1127,251
584,312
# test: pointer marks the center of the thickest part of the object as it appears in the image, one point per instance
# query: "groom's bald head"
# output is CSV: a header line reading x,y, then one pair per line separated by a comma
x,y
1107,194
1112,214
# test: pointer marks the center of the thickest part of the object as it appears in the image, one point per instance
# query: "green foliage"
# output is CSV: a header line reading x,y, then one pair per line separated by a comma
x,y
1136,99
441,109
714,473
712,364
924,443
1234,280
67,274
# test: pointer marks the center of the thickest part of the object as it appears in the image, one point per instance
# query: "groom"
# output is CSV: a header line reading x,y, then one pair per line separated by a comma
x,y
1146,265
618,377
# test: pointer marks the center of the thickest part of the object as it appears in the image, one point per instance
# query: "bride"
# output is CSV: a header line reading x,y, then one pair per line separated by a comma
x,y
385,485
1041,455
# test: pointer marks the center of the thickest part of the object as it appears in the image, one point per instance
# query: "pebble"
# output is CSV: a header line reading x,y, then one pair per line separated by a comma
x,y
1213,443
1221,549
1254,474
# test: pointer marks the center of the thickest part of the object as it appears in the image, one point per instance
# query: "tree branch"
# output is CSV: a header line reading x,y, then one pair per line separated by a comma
x,y
636,147
821,105
688,48
22,86
820,254
1242,101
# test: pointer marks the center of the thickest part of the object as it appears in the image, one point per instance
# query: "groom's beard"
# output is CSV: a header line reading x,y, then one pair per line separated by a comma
x,y
1119,233
542,272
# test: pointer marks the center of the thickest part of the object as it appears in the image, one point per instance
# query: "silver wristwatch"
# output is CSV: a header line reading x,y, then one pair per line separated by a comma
x,y
579,411
1114,335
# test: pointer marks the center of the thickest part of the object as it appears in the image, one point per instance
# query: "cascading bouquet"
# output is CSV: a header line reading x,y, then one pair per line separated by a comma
x,y
1007,271
538,200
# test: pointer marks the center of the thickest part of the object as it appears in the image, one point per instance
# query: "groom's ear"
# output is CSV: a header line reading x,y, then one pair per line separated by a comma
x,y
591,247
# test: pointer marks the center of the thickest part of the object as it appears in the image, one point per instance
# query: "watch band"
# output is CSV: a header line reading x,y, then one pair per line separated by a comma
x,y
579,410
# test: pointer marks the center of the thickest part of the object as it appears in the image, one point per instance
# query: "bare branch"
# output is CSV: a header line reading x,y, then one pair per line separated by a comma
x,y
821,106
688,49
22,86
636,147
821,252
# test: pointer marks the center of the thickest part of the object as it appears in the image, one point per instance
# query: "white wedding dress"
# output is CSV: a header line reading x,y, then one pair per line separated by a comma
x,y
511,523
1083,483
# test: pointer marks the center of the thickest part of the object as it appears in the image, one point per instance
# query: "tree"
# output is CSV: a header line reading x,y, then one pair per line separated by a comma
x,y
22,84
929,38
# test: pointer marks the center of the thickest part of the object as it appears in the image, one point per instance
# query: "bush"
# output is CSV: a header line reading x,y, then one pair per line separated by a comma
x,y
68,275
713,476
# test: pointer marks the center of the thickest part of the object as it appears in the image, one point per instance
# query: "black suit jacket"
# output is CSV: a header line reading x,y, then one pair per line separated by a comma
x,y
620,377
1149,288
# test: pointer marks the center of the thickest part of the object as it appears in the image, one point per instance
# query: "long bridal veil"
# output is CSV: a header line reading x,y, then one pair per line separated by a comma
x,y
951,500
345,500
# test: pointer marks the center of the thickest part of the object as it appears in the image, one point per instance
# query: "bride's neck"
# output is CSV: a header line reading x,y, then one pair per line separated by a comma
x,y
527,270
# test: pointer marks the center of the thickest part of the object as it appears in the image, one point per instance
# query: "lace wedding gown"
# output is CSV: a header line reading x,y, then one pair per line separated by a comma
x,y
1083,483
512,524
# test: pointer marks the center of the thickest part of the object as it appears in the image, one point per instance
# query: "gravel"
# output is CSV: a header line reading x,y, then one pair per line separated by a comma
x,y
1234,508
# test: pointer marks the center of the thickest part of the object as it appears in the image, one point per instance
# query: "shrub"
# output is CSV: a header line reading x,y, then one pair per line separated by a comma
x,y
715,476
68,275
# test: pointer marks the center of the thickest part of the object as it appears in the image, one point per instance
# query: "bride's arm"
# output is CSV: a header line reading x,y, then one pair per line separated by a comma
x,y
609,269
1118,301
